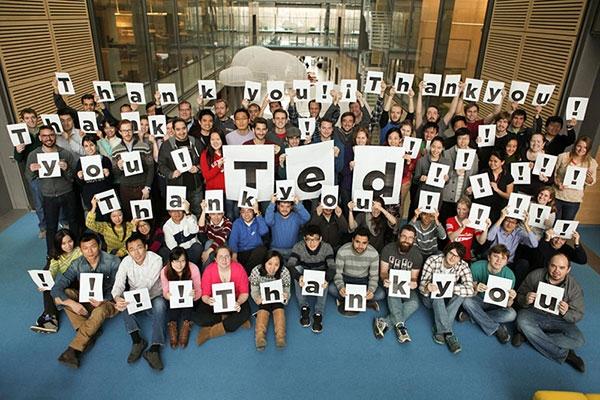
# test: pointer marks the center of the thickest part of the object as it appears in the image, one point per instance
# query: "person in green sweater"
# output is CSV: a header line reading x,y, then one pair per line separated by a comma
x,y
63,256
491,318
115,232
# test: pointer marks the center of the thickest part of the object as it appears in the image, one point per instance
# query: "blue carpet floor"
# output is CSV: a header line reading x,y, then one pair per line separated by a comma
x,y
345,361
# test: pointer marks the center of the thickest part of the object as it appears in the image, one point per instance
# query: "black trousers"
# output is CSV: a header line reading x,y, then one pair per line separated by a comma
x,y
52,208
203,315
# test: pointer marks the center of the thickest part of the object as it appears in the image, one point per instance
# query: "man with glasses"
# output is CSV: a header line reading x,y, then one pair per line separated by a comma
x,y
445,309
57,192
312,254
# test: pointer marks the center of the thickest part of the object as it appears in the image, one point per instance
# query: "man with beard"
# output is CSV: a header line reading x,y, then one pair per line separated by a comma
x,y
285,223
401,255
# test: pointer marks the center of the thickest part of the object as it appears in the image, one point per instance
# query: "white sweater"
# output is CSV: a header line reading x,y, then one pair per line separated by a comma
x,y
182,234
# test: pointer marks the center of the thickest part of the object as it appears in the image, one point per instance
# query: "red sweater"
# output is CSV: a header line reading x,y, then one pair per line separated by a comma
x,y
217,233
213,175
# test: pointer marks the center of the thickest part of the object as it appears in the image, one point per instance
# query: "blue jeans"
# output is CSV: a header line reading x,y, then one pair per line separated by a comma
x,y
401,309
566,209
36,194
550,334
158,312
444,311
303,300
488,316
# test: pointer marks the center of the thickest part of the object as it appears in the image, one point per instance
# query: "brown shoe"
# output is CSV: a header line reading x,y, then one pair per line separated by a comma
x,y
279,322
210,332
172,329
262,322
184,333
247,324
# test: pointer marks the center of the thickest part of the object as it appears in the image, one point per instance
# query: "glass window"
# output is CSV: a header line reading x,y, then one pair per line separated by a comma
x,y
188,19
163,41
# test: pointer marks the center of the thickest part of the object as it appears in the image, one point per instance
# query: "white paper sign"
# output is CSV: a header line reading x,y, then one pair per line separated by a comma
x,y
53,121
313,283
275,90
348,88
542,95
436,174
104,91
518,204
329,196
472,89
132,163
272,292
518,91
175,197
399,283
478,215
214,201
480,185
576,107
548,297
356,297
42,278
565,228
91,166
464,159
412,146
379,169
90,287
182,159
134,117
403,82
157,125
445,285
137,300
373,83
141,209
108,201
168,93
363,200
493,92
19,134
247,197
252,91
181,294
49,167
521,173
451,88
486,135
87,121
252,166
284,190
224,296
323,92
310,167
135,92
544,164
207,89
538,214
302,88
497,291
575,177
428,201
65,84
307,127
432,84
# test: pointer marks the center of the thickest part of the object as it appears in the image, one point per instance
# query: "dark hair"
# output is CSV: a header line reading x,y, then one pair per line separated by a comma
x,y
471,105
65,111
437,139
45,127
363,130
326,120
503,115
174,255
433,125
57,251
348,114
500,249
176,120
28,110
89,138
407,227
243,111
124,224
554,119
204,112
150,104
519,112
134,236
123,106
270,254
457,118
462,132
261,120
88,96
311,230
279,110
498,154
109,122
210,151
313,101
379,222
459,247
389,133
220,100
361,231
88,236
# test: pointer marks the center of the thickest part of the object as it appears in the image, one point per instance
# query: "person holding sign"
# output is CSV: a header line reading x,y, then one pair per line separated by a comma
x,y
326,134
57,192
546,196
401,255
568,200
271,270
357,263
458,228
223,123
246,239
109,139
436,147
502,185
70,137
555,336
311,254
332,223
429,230
182,230
224,269
531,153
377,222
554,142
217,228
517,124
432,113
435,294
554,244
243,132
285,223
179,268
65,252
361,138
87,319
314,110
102,180
509,232
491,317
115,232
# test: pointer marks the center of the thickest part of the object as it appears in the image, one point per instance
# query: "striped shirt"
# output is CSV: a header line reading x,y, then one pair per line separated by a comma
x,y
427,237
352,264
319,260
463,282
217,233
256,279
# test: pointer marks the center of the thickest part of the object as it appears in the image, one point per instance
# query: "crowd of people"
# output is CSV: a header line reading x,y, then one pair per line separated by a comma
x,y
283,240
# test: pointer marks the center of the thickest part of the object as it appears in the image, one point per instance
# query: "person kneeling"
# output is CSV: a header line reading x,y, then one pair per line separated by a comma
x,y
270,270
141,270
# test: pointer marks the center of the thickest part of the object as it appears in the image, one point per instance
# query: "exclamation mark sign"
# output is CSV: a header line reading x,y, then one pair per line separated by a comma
x,y
538,218
43,280
348,92
183,163
138,299
518,205
575,176
520,170
411,147
307,123
92,281
464,161
324,87
479,215
438,172
575,109
480,184
181,299
429,201
487,135
545,162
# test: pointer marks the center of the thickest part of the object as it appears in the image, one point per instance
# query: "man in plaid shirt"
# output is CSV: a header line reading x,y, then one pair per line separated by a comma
x,y
445,309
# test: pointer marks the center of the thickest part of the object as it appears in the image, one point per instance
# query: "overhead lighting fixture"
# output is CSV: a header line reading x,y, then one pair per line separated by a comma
x,y
118,12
